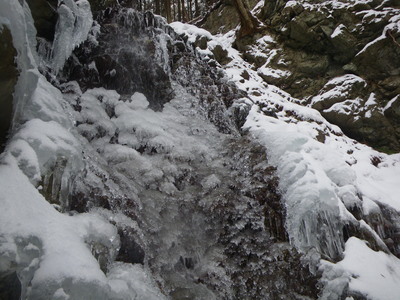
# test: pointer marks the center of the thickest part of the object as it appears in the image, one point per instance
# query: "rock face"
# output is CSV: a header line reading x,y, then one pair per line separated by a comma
x,y
313,42
125,58
45,16
8,79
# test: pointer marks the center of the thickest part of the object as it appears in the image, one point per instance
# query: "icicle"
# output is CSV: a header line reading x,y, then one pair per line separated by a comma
x,y
73,26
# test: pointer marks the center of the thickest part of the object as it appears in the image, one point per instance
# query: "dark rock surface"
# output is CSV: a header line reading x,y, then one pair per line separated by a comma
x,y
45,16
8,78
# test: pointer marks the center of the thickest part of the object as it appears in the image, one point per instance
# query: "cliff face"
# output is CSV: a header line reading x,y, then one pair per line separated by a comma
x,y
155,161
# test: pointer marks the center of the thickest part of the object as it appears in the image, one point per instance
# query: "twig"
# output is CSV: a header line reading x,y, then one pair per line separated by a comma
x,y
393,38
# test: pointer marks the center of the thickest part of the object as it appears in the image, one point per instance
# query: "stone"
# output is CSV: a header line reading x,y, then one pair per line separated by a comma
x,y
312,65
221,55
222,20
130,251
201,42
344,44
380,60
300,33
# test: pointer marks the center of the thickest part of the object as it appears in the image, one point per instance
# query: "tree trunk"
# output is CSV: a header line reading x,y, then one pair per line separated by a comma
x,y
196,8
167,7
184,13
248,23
179,11
157,9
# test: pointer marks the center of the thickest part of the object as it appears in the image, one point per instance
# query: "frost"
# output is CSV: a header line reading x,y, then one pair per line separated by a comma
x,y
111,143
55,239
210,182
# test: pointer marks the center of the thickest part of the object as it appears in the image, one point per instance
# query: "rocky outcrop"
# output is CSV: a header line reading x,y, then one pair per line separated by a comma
x,y
350,102
305,44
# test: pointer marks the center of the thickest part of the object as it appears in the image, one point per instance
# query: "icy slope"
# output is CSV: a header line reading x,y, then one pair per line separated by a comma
x,y
333,187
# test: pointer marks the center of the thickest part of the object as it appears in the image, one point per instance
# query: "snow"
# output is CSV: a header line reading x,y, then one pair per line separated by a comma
x,y
275,73
291,4
138,101
373,273
192,31
390,103
338,31
393,26
57,240
53,253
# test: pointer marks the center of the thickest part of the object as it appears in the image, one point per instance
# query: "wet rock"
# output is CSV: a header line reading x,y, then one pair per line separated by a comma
x,y
8,79
10,287
130,251
97,5
44,13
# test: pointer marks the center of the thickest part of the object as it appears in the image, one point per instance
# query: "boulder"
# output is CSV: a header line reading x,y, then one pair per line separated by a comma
x,y
221,55
380,59
349,102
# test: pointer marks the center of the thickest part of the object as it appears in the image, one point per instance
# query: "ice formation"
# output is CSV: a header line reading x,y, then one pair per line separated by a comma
x,y
184,195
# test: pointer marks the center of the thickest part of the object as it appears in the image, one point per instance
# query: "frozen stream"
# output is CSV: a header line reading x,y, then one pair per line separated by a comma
x,y
202,197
